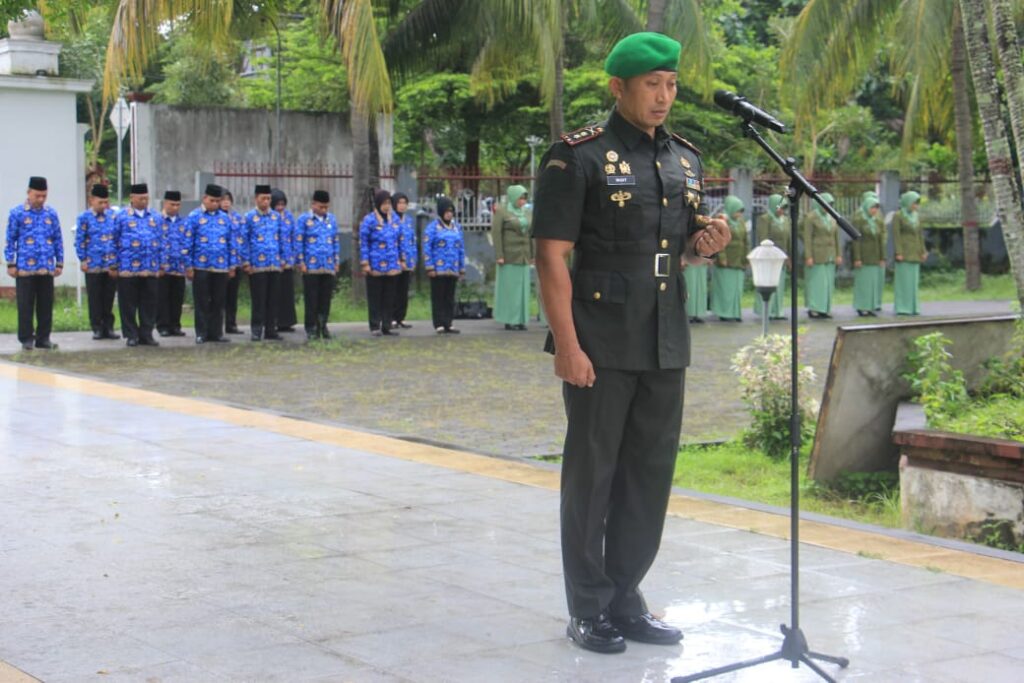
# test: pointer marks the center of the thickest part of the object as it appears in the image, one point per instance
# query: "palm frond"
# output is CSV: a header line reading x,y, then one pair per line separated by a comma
x,y
923,35
685,22
352,23
431,29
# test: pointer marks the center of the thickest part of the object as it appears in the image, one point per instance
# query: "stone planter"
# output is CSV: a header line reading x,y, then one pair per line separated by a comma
x,y
957,485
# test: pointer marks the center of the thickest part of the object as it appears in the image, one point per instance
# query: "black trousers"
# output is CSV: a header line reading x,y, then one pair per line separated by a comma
x,y
442,299
317,290
402,296
208,292
137,303
618,461
380,300
286,316
35,295
231,299
170,294
100,289
263,289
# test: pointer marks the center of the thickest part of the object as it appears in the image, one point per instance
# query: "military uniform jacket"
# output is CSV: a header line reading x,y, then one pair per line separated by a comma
x,y
776,231
379,244
94,241
908,237
511,241
821,238
213,245
870,248
444,249
318,243
407,243
262,237
35,245
140,243
178,243
629,204
735,253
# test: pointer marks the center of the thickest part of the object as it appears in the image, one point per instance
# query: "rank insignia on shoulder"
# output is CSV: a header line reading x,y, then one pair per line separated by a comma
x,y
578,137
683,141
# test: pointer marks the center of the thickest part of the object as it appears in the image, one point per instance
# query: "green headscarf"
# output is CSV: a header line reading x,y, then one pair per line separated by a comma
x,y
775,202
869,199
908,199
731,205
512,197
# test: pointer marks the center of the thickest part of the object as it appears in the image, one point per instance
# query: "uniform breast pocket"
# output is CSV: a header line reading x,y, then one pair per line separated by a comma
x,y
599,287
628,222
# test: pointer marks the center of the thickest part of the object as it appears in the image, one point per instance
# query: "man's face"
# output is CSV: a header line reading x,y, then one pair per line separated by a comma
x,y
171,207
36,198
211,203
225,203
99,204
263,202
645,100
140,201
320,208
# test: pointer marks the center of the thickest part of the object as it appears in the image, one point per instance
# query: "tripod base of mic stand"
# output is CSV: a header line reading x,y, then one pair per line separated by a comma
x,y
794,650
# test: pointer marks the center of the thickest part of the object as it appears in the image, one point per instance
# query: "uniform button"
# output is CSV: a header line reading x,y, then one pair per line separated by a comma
x,y
658,164
664,244
663,286
664,201
597,296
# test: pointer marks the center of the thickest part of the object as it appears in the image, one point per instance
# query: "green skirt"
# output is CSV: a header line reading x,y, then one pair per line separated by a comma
x,y
881,288
727,292
775,304
905,281
512,294
821,280
696,290
867,293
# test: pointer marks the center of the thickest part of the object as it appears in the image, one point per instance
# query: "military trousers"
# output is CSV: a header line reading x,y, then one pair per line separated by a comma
x,y
617,467
317,290
137,304
100,289
208,292
170,294
231,300
35,296
263,289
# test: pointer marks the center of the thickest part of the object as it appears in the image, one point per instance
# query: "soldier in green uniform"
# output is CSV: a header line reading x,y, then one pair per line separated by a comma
x,y
821,256
623,195
910,253
730,265
774,225
868,256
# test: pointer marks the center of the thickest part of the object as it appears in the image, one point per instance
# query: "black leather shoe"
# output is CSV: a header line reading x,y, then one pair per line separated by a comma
x,y
220,340
272,336
163,333
27,346
131,342
45,344
233,330
389,333
148,341
596,634
508,328
110,334
97,335
200,340
646,629
404,325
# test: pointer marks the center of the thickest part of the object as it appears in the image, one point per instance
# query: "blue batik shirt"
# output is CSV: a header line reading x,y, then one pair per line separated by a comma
x,y
407,243
288,243
317,244
94,240
238,236
264,246
35,245
444,250
379,244
139,235
178,243
213,241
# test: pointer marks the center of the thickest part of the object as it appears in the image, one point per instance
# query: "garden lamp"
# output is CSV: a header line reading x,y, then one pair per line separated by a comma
x,y
766,262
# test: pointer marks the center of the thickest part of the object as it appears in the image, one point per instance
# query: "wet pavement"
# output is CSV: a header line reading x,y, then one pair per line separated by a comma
x,y
153,538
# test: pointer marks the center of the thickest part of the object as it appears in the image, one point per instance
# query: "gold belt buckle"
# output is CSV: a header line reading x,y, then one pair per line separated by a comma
x,y
662,265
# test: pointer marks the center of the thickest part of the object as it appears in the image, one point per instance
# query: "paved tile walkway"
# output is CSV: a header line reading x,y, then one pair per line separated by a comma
x,y
148,538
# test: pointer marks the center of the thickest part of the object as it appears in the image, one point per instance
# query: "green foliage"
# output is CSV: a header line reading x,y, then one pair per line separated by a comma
x,y
866,486
936,384
764,370
998,534
1006,374
197,74
999,417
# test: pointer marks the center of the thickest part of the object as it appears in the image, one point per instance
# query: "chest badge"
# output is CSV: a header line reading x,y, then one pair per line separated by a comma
x,y
624,168
609,168
611,155
685,162
621,198
693,184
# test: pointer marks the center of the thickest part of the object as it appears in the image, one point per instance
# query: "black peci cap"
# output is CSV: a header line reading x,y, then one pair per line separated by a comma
x,y
322,196
37,183
213,190
139,188
262,189
100,190
172,196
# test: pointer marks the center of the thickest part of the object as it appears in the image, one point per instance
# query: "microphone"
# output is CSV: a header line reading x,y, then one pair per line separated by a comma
x,y
737,105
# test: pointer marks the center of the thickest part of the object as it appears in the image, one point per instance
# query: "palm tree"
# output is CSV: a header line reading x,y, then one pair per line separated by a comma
x,y
1008,47
997,145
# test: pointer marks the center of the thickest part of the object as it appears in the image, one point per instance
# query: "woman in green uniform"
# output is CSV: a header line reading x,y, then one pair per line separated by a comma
x,y
513,251
727,278
910,252
868,256
821,252
696,291
774,225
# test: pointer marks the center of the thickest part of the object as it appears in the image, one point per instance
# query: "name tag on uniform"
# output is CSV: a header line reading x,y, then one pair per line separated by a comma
x,y
621,180
692,184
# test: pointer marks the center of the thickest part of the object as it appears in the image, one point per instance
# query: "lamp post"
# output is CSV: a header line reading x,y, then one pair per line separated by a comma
x,y
533,141
766,262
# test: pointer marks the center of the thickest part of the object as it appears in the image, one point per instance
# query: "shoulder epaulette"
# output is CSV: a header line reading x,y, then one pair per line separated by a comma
x,y
683,141
585,134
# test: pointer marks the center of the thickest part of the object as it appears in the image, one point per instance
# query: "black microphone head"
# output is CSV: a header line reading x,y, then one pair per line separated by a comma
x,y
725,99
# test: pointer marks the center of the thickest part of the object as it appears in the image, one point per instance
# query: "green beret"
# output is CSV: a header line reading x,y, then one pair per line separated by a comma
x,y
642,52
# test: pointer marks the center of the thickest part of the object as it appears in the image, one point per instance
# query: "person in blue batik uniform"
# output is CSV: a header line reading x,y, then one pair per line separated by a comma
x,y
141,260
97,254
171,287
381,262
444,258
35,255
238,242
317,258
263,259
212,263
286,316
410,256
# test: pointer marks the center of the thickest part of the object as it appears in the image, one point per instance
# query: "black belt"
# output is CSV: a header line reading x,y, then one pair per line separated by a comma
x,y
659,264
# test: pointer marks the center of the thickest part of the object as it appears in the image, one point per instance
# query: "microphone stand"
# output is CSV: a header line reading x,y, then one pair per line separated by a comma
x,y
794,644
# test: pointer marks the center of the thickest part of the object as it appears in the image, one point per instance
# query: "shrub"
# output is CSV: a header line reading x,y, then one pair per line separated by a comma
x,y
1006,374
764,370
936,384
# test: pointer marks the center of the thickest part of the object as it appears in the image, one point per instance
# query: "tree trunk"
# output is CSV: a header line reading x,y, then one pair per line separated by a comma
x,y
1008,49
964,124
556,117
997,147
362,203
656,15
